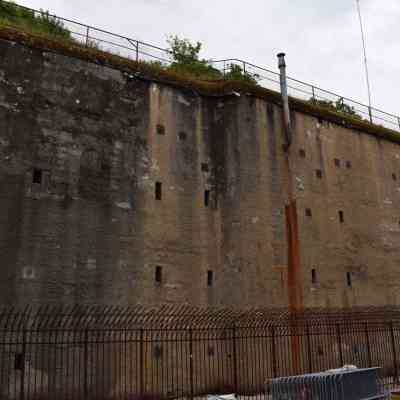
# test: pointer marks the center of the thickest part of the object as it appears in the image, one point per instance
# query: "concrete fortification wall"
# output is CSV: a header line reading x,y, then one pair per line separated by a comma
x,y
117,190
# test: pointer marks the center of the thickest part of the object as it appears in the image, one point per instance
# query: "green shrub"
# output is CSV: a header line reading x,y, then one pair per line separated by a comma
x,y
186,60
339,106
237,73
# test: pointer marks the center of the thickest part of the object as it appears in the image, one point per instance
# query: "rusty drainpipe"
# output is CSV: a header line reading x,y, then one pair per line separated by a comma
x,y
294,278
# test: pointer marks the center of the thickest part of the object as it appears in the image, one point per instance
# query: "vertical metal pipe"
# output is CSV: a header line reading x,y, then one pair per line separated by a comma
x,y
365,58
371,119
137,51
285,99
87,36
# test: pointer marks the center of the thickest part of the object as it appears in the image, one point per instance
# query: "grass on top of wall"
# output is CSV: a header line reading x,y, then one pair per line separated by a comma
x,y
153,72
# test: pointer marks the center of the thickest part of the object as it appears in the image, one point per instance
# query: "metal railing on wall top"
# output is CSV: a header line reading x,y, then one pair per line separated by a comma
x,y
137,50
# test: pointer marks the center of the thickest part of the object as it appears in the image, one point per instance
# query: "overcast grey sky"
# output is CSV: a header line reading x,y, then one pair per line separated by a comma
x,y
321,37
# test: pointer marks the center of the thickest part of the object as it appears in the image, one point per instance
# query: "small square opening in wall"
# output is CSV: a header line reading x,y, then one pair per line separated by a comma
x,y
318,173
337,162
37,175
341,217
158,274
349,279
313,276
158,191
210,278
394,177
348,164
182,136
206,198
204,167
308,212
302,153
160,129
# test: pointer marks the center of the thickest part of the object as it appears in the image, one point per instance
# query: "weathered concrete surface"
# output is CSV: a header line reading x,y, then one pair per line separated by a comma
x,y
82,147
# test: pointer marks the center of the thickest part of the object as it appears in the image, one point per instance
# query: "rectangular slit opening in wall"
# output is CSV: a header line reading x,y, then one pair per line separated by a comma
x,y
204,167
206,198
394,177
308,212
160,129
349,280
348,164
158,190
313,276
341,217
37,176
318,172
210,278
302,153
337,162
158,274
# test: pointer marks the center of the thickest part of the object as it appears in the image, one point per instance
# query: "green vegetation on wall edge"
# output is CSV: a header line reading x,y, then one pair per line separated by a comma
x,y
206,88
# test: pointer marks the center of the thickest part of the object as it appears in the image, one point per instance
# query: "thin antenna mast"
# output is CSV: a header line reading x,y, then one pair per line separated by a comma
x,y
365,60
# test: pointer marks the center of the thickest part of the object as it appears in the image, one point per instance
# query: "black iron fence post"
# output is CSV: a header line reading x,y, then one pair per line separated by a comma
x,y
22,362
309,349
339,339
85,365
137,51
368,346
274,367
396,378
191,363
141,363
235,370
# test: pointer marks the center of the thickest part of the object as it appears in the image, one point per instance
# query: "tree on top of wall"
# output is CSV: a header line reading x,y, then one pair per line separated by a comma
x,y
186,59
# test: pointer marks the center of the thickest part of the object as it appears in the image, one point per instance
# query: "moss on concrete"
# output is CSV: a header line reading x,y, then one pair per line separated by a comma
x,y
202,87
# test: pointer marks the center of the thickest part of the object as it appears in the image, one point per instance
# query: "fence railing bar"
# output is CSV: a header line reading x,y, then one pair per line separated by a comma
x,y
312,86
